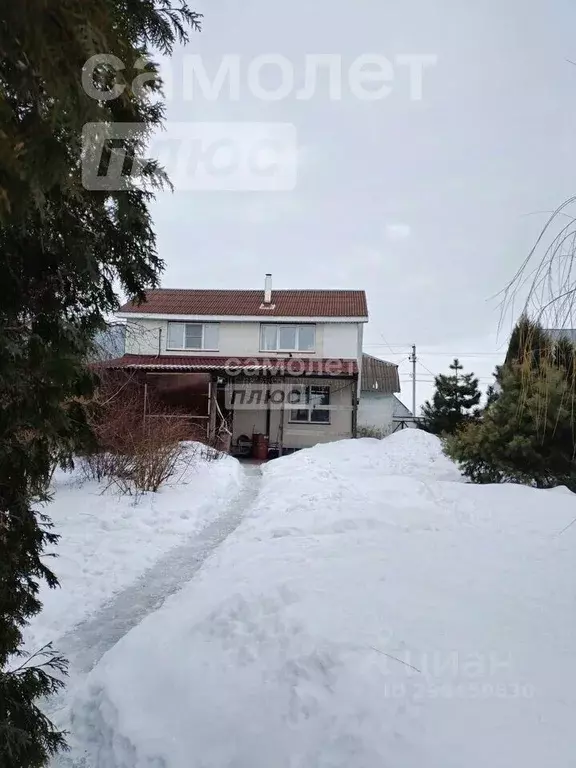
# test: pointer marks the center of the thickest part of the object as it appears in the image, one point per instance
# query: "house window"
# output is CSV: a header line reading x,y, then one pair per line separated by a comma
x,y
313,403
287,338
193,336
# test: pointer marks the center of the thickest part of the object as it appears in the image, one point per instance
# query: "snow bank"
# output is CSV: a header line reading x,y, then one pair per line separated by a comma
x,y
409,452
368,613
108,541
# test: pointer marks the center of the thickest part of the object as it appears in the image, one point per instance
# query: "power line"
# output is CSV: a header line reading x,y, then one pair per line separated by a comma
x,y
389,345
446,354
427,369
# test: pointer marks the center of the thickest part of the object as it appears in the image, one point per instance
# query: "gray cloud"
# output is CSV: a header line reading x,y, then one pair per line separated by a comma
x,y
422,203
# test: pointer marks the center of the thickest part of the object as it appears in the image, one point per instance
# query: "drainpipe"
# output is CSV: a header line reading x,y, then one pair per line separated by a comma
x,y
159,342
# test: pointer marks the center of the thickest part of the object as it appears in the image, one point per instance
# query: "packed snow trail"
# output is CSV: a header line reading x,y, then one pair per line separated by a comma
x,y
108,540
371,610
86,643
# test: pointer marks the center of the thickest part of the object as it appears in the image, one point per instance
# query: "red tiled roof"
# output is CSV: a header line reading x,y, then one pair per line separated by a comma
x,y
305,303
233,365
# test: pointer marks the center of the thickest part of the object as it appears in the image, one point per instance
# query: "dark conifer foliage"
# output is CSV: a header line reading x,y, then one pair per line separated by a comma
x,y
64,251
527,432
453,403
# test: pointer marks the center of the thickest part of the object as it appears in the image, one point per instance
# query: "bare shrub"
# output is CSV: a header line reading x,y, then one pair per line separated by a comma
x,y
98,466
137,451
152,459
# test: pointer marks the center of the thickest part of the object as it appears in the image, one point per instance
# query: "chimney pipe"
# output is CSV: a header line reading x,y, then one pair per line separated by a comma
x,y
268,289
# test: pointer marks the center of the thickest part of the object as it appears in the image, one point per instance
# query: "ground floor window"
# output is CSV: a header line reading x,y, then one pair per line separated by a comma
x,y
312,405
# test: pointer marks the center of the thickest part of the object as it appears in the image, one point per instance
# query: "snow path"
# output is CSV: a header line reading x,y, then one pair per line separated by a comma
x,y
85,645
87,642
370,611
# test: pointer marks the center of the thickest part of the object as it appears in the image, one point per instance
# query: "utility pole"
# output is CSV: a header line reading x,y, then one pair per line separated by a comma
x,y
413,359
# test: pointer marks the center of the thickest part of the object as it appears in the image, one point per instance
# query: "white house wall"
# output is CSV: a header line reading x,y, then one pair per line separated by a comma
x,y
301,435
378,410
144,336
341,341
360,347
242,339
248,423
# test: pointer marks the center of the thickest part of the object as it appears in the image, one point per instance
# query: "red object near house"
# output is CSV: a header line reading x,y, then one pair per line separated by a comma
x,y
260,446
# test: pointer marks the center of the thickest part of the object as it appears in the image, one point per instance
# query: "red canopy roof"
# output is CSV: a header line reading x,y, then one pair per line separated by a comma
x,y
294,366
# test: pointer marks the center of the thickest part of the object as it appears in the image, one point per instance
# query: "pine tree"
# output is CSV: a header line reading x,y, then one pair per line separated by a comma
x,y
533,347
529,343
526,435
454,402
64,250
493,390
491,395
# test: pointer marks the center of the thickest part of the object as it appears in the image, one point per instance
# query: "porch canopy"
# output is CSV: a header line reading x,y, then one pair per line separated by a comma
x,y
198,388
235,366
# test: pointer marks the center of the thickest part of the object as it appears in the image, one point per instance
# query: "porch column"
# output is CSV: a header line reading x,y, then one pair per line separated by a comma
x,y
268,414
355,407
212,410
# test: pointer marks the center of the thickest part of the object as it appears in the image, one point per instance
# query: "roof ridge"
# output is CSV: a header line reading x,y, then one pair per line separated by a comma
x,y
260,290
379,359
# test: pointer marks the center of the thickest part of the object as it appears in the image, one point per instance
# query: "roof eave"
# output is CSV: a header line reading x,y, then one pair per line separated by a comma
x,y
240,318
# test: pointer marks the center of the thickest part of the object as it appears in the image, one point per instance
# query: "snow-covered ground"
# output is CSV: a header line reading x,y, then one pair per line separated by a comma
x,y
108,541
372,610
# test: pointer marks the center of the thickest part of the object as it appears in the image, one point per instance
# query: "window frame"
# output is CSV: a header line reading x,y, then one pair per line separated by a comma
x,y
297,327
308,406
185,323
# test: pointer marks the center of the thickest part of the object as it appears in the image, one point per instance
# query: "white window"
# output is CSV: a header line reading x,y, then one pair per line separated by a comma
x,y
193,336
313,405
287,338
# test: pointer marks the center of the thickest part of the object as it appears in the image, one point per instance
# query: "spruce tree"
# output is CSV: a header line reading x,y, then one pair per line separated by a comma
x,y
453,403
64,251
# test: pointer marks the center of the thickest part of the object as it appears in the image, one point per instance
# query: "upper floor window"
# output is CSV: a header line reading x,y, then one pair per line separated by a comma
x,y
287,338
193,336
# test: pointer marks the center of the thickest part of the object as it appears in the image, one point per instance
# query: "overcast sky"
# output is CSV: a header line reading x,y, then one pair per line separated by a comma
x,y
426,204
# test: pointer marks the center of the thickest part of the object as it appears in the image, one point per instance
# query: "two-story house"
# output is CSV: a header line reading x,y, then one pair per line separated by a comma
x,y
283,364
